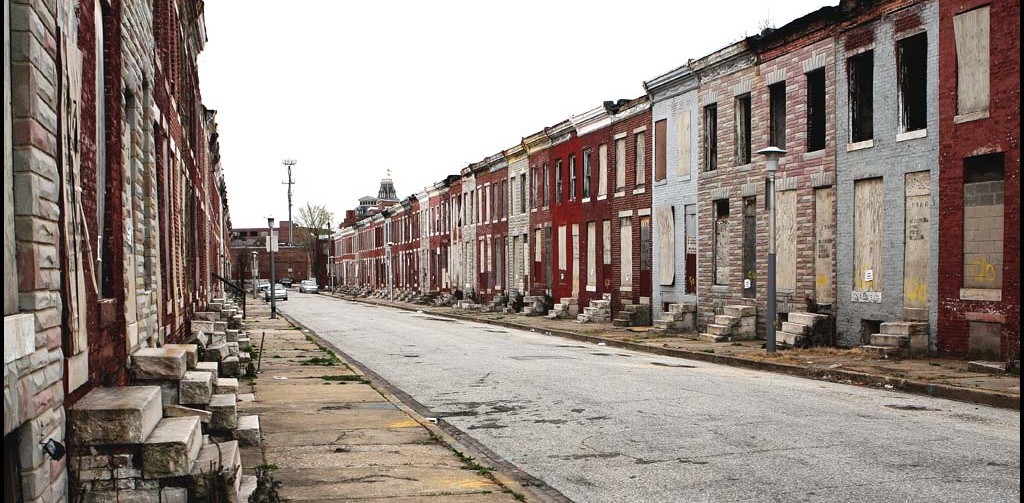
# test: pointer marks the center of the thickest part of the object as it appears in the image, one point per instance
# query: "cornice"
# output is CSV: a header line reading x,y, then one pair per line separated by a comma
x,y
724,61
591,120
514,154
559,133
536,141
671,84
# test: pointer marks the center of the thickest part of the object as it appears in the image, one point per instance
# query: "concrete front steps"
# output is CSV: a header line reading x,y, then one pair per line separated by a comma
x,y
534,305
567,308
801,328
146,442
633,315
678,318
736,323
599,311
899,338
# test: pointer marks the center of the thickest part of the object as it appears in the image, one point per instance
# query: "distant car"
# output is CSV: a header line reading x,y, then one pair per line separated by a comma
x,y
309,286
280,293
287,282
263,285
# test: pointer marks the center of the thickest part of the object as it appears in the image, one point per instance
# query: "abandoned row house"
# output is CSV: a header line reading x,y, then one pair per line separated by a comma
x,y
115,217
900,122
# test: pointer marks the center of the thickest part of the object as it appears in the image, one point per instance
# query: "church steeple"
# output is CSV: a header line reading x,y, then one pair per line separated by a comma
x,y
387,191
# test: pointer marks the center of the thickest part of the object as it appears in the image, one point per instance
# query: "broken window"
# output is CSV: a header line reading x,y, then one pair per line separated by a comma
x,y
743,129
572,177
913,72
586,173
620,165
711,137
860,74
661,149
640,150
816,110
777,115
558,181
983,221
971,30
522,193
547,185
720,245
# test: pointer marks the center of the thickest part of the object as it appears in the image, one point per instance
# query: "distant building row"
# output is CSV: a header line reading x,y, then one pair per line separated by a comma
x,y
898,199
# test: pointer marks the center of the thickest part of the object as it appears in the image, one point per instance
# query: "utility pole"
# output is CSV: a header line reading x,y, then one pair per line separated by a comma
x,y
288,164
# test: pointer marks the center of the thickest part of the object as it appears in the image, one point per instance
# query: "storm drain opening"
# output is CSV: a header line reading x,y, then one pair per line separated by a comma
x,y
674,365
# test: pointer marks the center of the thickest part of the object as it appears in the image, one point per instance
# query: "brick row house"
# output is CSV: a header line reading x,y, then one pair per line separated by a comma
x,y
115,210
900,122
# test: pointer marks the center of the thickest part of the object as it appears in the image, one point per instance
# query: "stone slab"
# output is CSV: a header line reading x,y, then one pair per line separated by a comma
x,y
110,416
196,388
248,430
191,354
182,411
172,448
225,412
225,385
159,363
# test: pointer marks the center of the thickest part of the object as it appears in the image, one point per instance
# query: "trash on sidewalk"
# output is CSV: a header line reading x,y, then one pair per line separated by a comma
x,y
280,378
432,420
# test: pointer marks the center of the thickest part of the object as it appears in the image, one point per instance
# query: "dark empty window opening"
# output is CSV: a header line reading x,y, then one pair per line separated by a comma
x,y
816,110
558,181
860,73
587,172
777,112
913,81
743,129
711,137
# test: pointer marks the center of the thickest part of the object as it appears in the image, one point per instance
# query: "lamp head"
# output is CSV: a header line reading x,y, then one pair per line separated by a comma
x,y
270,222
772,154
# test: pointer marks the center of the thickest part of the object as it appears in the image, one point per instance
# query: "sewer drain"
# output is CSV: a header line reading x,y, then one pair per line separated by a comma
x,y
674,365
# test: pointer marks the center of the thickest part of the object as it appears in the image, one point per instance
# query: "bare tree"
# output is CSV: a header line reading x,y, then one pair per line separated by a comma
x,y
316,222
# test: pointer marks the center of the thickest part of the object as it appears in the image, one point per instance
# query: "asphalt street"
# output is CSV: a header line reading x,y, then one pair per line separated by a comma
x,y
609,425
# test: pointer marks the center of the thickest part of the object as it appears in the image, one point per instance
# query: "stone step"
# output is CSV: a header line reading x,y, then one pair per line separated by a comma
x,y
183,411
205,326
882,351
225,386
248,431
725,319
172,448
716,329
889,340
796,328
739,311
802,318
212,367
108,416
217,352
196,388
159,363
223,457
169,391
247,488
191,354
244,344
224,408
790,338
712,337
904,328
205,316
231,335
244,358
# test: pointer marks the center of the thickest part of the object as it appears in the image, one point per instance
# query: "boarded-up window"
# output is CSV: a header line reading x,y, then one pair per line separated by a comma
x,y
917,239
777,114
574,272
625,253
867,240
710,137
666,222
640,159
824,244
683,144
691,248
522,193
983,221
602,167
971,30
538,242
785,240
743,129
620,165
720,246
750,247
913,79
816,110
591,263
562,239
645,243
860,76
661,149
606,242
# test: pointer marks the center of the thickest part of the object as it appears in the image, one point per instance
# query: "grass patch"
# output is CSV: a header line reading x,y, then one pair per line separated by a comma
x,y
344,379
323,361
709,350
471,463
267,466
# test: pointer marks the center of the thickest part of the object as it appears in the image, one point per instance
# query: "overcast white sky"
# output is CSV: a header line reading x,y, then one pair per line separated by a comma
x,y
351,88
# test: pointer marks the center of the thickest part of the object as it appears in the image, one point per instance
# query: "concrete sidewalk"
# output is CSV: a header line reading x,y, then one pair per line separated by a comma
x,y
939,377
330,436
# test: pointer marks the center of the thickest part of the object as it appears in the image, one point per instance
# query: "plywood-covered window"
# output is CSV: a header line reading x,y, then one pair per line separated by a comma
x,y
971,30
720,243
710,146
625,253
743,129
983,221
912,53
606,242
533,187
815,110
562,241
620,165
860,77
660,149
640,158
683,144
591,260
777,115
602,170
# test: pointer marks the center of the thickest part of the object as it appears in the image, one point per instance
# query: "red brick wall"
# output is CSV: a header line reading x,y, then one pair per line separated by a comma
x,y
565,212
630,201
596,211
998,133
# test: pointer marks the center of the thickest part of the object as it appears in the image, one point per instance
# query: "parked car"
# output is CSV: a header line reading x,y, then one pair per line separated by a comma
x,y
262,285
287,282
280,293
309,286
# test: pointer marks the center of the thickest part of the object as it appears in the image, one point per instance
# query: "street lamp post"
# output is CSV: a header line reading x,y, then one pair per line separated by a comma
x,y
255,271
273,289
772,154
391,286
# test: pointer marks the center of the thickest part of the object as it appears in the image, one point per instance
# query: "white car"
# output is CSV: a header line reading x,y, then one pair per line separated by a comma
x,y
309,286
280,293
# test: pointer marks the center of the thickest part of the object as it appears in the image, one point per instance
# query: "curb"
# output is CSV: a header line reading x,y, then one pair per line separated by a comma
x,y
976,396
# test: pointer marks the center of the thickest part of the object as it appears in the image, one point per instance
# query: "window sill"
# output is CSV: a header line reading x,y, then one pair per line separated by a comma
x,y
659,183
585,200
989,294
814,154
973,116
912,135
602,197
621,193
641,190
861,145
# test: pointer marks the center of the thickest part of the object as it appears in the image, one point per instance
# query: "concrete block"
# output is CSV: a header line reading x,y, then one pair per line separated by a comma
x,y
796,328
159,363
724,319
904,328
169,392
716,329
172,448
740,311
248,431
244,344
196,388
217,352
110,416
889,340
247,397
231,366
225,412
122,496
217,338
244,358
182,411
247,487
205,316
225,385
212,367
202,326
191,354
808,319
231,335
232,348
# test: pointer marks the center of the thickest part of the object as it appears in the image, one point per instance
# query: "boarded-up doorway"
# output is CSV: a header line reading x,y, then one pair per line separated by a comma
x,y
917,240
867,240
824,244
750,247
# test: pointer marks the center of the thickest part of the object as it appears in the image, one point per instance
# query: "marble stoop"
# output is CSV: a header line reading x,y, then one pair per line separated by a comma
x,y
115,416
597,311
172,448
567,308
898,338
678,318
633,315
224,408
735,323
799,326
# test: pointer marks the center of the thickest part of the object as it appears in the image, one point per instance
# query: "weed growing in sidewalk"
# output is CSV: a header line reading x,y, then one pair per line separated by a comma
x,y
327,361
342,379
471,463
